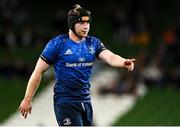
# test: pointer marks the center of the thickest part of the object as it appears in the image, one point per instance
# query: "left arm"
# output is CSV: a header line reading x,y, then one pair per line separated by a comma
x,y
116,60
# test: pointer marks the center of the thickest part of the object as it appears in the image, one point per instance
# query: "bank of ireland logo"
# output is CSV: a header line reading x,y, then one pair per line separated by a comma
x,y
67,121
91,49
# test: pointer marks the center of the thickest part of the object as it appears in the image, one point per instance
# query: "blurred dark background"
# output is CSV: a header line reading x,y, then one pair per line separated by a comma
x,y
148,30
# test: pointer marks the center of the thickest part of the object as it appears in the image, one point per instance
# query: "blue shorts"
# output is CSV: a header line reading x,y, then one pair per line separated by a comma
x,y
74,114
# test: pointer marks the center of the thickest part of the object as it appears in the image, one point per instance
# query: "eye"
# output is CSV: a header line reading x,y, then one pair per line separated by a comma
x,y
86,22
83,22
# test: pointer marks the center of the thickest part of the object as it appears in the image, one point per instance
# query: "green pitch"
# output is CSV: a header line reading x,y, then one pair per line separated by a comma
x,y
160,107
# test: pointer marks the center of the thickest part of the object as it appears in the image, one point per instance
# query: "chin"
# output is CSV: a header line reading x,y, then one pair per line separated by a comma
x,y
84,36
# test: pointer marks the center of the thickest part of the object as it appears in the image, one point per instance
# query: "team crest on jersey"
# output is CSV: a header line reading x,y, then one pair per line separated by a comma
x,y
91,49
67,121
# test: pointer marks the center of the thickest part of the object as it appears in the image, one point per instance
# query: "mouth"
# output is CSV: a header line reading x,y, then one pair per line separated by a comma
x,y
84,32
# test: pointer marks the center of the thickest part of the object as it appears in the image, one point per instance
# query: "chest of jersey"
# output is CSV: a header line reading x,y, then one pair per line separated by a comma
x,y
73,53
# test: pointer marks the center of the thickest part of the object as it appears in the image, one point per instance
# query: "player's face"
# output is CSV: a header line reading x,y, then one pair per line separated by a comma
x,y
82,28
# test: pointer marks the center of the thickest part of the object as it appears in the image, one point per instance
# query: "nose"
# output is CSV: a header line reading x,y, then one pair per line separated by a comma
x,y
85,24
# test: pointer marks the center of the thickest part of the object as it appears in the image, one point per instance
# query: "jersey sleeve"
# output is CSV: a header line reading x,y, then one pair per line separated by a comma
x,y
100,48
49,53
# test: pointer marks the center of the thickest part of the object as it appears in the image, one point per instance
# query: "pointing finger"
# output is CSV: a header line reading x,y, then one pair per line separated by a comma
x,y
132,60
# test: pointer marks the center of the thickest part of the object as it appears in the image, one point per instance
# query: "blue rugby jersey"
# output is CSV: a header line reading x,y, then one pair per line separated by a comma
x,y
72,63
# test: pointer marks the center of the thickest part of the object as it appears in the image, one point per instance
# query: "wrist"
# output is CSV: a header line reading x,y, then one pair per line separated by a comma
x,y
29,99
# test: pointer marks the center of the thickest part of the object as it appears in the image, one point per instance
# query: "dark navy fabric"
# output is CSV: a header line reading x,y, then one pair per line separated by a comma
x,y
74,114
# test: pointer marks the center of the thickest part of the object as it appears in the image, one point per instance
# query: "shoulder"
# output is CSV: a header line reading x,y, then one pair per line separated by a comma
x,y
58,40
56,43
92,39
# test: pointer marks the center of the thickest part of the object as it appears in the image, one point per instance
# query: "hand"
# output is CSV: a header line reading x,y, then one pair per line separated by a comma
x,y
25,108
129,64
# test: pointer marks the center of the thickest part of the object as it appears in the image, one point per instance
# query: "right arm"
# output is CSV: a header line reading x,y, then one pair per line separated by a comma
x,y
33,83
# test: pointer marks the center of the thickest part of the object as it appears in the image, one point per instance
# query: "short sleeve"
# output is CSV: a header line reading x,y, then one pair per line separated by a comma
x,y
49,53
100,48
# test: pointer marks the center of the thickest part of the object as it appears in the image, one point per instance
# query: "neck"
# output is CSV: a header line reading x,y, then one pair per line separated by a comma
x,y
74,37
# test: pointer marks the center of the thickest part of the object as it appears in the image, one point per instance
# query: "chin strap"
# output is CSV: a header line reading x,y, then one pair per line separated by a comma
x,y
73,30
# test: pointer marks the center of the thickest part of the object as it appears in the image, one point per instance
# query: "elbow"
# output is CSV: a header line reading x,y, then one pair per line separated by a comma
x,y
37,74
